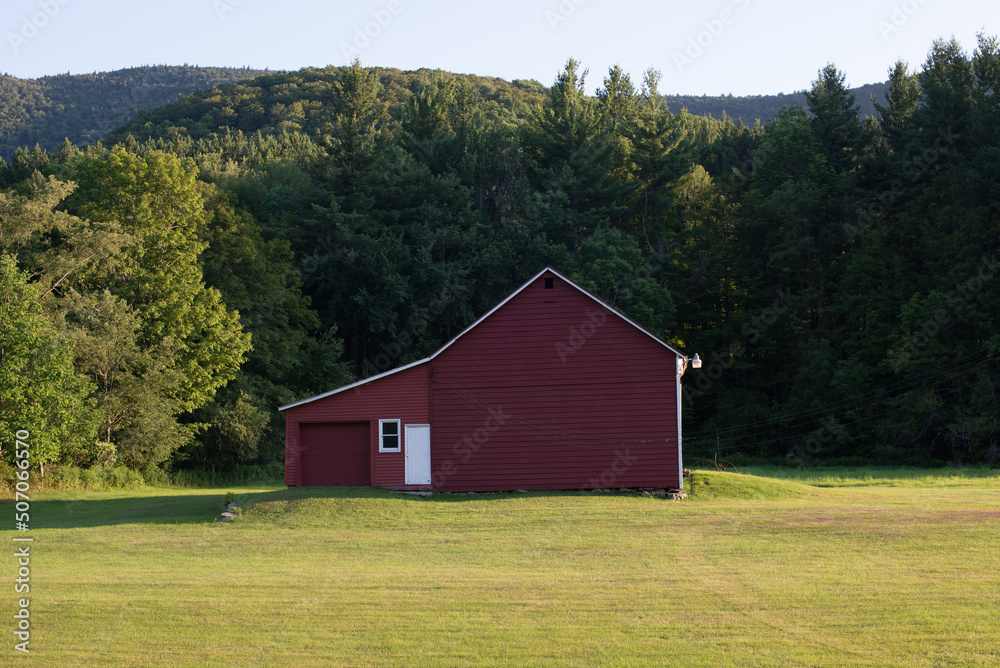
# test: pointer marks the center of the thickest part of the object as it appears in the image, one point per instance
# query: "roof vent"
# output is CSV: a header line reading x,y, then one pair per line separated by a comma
x,y
548,283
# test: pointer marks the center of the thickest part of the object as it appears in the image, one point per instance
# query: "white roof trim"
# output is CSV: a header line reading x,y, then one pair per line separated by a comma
x,y
582,291
353,385
622,316
476,323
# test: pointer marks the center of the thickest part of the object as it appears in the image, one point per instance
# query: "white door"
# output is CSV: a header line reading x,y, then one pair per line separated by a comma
x,y
418,454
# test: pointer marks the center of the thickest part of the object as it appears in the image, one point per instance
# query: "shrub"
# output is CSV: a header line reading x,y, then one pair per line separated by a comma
x,y
240,475
122,478
88,478
63,477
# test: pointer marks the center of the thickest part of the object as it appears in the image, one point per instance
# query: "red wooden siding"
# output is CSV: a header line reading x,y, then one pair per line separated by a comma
x,y
552,391
401,396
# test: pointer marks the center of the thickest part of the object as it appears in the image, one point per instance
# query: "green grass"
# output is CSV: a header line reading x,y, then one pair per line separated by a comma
x,y
879,476
751,570
717,486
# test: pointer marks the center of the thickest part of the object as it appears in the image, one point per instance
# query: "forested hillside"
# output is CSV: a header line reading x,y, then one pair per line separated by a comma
x,y
85,107
265,241
300,102
295,101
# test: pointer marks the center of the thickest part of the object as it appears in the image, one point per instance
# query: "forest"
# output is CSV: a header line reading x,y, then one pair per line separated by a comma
x,y
162,292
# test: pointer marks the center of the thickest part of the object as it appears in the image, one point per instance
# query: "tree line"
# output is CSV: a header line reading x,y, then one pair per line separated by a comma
x,y
164,292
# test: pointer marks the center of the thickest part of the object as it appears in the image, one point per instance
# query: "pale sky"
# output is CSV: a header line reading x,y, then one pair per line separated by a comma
x,y
716,47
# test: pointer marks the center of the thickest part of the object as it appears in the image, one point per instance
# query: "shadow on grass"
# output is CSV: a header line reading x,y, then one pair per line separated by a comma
x,y
206,508
83,513
306,493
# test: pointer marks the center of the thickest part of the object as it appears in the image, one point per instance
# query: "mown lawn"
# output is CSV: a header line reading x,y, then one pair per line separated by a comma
x,y
749,571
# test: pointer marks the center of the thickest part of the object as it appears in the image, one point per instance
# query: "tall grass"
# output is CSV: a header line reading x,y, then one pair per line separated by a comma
x,y
72,477
241,475
119,477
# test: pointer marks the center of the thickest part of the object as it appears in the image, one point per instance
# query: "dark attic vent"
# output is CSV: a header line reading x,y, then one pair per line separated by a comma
x,y
548,283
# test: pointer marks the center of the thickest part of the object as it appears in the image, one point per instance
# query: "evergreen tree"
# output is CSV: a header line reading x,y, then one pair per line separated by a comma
x,y
572,161
834,119
430,136
358,135
902,99
660,155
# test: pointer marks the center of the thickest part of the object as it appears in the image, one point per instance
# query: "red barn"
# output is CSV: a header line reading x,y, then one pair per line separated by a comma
x,y
552,389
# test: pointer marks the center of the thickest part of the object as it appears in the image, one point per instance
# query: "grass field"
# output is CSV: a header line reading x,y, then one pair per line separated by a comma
x,y
860,568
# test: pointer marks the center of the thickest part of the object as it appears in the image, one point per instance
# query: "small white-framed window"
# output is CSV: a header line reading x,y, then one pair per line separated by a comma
x,y
388,436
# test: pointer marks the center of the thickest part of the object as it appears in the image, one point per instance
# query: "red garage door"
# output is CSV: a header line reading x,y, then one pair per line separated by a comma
x,y
335,454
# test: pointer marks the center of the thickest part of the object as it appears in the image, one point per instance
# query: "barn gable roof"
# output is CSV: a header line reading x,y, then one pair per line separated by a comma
x,y
581,290
477,322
